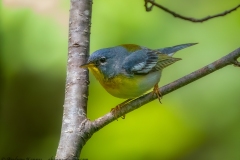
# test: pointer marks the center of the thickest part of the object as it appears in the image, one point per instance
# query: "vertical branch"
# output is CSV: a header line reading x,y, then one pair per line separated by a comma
x,y
76,92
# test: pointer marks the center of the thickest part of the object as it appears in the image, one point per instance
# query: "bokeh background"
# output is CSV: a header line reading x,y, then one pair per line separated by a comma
x,y
199,121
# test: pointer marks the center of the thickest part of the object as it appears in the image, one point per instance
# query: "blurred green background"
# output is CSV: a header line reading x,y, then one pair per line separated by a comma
x,y
199,121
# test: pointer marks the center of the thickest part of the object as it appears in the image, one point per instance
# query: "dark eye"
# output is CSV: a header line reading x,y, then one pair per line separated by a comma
x,y
102,59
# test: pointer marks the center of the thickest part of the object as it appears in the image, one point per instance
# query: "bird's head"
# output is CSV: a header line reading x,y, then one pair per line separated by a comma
x,y
104,62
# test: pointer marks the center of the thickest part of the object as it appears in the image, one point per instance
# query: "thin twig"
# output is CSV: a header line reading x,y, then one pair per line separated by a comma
x,y
148,8
236,63
231,58
184,17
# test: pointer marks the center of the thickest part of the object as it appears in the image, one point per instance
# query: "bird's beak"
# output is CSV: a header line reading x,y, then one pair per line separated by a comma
x,y
87,65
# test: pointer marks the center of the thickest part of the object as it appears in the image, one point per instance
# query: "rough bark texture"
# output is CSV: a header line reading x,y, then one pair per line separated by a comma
x,y
76,92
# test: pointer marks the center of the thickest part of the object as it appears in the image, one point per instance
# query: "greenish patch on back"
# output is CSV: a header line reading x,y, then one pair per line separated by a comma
x,y
131,47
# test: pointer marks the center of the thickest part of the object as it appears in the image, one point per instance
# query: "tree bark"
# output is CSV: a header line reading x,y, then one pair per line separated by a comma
x,y
76,92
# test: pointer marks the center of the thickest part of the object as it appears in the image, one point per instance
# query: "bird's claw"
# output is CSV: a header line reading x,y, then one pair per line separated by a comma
x,y
117,108
114,111
157,92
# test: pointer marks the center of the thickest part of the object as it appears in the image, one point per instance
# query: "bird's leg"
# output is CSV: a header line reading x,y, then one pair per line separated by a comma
x,y
157,92
114,110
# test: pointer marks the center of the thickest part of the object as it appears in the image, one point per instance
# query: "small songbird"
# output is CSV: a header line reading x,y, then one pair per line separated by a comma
x,y
128,71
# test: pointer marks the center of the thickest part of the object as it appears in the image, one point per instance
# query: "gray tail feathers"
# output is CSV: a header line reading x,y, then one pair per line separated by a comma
x,y
171,50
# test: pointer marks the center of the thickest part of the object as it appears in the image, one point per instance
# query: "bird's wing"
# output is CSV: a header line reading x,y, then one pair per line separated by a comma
x,y
145,61
164,61
171,50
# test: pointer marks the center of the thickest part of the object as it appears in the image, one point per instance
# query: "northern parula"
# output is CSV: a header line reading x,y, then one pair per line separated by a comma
x,y
128,71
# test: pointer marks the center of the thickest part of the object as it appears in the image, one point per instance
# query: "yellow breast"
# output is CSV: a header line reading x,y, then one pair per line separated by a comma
x,y
125,87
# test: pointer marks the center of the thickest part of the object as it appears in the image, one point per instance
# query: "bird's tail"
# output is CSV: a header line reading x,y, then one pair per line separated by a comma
x,y
171,50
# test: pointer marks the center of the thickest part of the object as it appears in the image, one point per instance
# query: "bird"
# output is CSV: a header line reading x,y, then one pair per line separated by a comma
x,y
128,71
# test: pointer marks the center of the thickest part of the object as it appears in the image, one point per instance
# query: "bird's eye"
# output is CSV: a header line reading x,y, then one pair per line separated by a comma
x,y
102,60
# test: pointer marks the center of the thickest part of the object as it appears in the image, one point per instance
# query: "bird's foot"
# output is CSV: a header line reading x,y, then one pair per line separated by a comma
x,y
115,110
118,107
157,92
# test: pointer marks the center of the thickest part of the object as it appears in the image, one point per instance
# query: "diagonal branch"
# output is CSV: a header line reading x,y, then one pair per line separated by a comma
x,y
149,8
231,58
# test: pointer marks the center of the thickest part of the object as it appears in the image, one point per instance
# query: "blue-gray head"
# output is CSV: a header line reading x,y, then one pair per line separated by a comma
x,y
107,61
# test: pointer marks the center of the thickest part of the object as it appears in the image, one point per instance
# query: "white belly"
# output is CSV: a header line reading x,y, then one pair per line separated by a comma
x,y
148,81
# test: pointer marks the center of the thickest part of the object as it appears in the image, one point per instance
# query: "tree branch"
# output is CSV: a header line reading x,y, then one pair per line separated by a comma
x,y
149,8
76,93
76,128
231,58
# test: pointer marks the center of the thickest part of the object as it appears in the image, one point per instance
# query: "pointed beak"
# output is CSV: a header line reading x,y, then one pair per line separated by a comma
x,y
87,65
